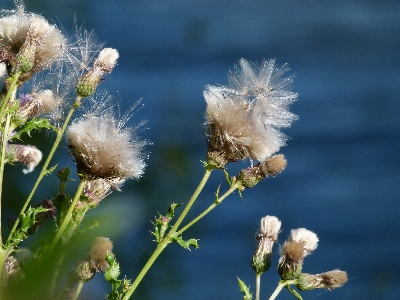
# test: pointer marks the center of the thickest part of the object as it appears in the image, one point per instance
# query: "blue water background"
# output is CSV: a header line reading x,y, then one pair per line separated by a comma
x,y
343,174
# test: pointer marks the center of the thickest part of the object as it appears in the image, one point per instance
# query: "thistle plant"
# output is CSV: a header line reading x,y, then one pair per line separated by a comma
x,y
243,123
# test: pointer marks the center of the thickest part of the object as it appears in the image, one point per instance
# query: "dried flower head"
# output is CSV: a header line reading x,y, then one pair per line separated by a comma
x,y
244,119
97,189
267,236
104,63
300,243
30,156
250,176
98,251
28,43
41,102
104,149
11,269
328,280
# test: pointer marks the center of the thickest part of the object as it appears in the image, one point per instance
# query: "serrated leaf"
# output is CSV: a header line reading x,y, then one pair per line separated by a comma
x,y
171,210
27,220
34,124
245,290
186,244
227,177
49,171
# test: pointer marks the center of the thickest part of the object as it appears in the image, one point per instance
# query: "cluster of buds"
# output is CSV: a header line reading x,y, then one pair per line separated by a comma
x,y
300,243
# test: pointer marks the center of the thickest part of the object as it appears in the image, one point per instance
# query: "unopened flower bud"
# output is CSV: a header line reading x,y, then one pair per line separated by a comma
x,y
267,235
104,63
300,243
328,280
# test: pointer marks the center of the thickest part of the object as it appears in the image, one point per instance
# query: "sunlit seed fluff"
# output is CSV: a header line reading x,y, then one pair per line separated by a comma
x,y
107,58
300,243
244,119
269,228
102,149
306,237
46,40
43,101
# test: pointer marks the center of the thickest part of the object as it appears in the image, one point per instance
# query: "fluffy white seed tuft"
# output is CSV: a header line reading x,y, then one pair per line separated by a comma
x,y
103,149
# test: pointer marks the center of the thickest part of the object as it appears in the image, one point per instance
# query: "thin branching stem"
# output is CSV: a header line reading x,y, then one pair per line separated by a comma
x,y
4,135
68,215
281,285
4,139
44,170
172,233
233,187
11,91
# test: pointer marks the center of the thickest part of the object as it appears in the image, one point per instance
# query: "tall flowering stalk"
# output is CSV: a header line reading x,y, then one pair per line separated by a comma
x,y
244,122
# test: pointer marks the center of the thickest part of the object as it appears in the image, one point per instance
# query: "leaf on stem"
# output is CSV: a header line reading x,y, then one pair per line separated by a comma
x,y
27,221
296,294
34,124
49,171
162,223
245,290
186,244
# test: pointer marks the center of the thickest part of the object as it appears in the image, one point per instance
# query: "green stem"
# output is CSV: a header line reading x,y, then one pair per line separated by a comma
x,y
9,96
2,162
196,193
211,207
68,215
10,91
296,294
60,134
164,243
258,277
281,285
78,290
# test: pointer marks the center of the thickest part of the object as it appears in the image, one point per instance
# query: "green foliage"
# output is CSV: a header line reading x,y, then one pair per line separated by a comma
x,y
34,124
162,223
245,290
118,287
186,244
62,201
27,221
